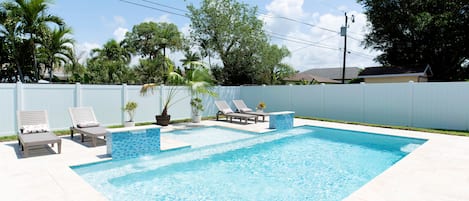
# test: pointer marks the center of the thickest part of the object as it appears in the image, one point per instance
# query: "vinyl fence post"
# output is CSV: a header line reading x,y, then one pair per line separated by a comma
x,y
77,100
124,99
411,109
323,100
362,84
290,89
18,103
161,97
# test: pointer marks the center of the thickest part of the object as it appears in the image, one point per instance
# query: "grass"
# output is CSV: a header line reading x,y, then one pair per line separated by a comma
x,y
67,132
428,130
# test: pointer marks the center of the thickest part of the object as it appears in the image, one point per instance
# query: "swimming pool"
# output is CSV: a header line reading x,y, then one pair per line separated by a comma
x,y
304,163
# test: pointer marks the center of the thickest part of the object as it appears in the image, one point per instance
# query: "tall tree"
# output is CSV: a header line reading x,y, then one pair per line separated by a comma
x,y
76,69
189,58
232,31
33,21
109,64
56,49
150,40
271,69
420,32
151,70
27,21
9,31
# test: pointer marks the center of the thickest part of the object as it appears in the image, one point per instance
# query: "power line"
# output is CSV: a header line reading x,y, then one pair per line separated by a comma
x,y
299,40
361,54
272,34
185,12
303,42
265,13
300,22
332,36
166,6
153,8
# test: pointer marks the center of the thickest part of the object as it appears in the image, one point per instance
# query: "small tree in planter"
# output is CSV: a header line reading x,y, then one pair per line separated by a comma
x,y
130,109
196,104
199,81
173,80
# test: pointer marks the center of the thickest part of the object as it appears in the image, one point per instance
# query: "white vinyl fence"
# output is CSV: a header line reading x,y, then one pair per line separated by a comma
x,y
428,105
107,102
442,105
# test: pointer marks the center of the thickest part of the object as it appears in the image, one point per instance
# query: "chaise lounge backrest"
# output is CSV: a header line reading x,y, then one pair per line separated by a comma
x,y
83,117
223,107
241,106
34,130
33,121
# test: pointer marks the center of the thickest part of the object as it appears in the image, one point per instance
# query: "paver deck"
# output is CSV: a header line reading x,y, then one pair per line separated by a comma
x,y
437,170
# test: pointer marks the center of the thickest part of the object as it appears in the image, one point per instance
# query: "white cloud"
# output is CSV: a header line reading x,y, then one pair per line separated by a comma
x,y
279,8
185,30
119,21
83,50
119,33
291,8
319,46
162,18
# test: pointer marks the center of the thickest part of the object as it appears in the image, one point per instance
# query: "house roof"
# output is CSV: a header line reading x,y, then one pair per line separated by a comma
x,y
335,73
309,77
394,71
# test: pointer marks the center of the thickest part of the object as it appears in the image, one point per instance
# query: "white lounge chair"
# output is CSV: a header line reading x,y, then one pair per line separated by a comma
x,y
243,108
225,110
84,122
34,130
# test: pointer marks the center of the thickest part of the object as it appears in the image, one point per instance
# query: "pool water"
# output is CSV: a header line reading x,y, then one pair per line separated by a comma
x,y
303,163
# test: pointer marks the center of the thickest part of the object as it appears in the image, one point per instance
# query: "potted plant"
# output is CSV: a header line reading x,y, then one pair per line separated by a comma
x,y
196,104
197,79
164,118
130,109
261,106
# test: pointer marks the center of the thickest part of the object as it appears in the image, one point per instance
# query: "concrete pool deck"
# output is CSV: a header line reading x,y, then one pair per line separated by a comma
x,y
437,170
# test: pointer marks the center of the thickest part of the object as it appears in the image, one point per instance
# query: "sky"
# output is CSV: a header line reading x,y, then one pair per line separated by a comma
x,y
309,29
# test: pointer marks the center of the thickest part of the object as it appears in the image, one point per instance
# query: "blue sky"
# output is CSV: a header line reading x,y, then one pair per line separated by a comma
x,y
313,39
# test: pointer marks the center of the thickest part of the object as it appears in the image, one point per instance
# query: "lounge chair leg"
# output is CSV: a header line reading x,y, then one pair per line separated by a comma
x,y
71,133
93,139
25,151
82,137
59,146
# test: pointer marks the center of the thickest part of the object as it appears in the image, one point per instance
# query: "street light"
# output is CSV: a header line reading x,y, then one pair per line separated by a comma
x,y
343,32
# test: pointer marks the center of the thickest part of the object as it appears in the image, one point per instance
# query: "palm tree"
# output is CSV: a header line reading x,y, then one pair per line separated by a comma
x,y
32,20
110,62
11,42
75,67
198,81
150,40
189,58
56,48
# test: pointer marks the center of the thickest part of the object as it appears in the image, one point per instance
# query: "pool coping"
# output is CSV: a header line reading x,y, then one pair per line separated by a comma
x,y
437,170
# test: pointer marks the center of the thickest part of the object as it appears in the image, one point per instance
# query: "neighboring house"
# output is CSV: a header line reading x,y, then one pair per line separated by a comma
x,y
58,73
335,73
396,74
306,78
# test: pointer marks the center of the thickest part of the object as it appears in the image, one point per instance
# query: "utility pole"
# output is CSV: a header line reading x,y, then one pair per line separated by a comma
x,y
343,32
